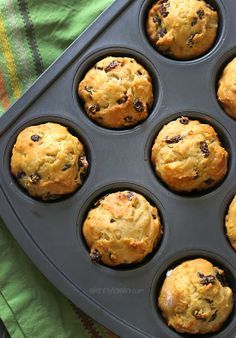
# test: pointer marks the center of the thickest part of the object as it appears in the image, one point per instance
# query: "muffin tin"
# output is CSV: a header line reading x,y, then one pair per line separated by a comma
x,y
124,298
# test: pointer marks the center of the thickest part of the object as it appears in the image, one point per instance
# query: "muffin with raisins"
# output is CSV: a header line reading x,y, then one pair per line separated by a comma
x,y
121,228
117,92
48,161
182,29
227,89
187,155
195,298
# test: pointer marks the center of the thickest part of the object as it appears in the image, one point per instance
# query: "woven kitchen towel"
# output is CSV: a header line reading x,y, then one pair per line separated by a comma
x,y
33,33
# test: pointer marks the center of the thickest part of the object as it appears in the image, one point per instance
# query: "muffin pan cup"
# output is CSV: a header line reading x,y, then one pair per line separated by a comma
x,y
124,298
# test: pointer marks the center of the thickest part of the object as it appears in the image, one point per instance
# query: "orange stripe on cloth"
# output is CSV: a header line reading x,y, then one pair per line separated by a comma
x,y
11,67
4,99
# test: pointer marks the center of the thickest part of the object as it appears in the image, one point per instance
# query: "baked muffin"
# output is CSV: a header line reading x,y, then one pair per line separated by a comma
x,y
48,161
182,29
187,155
122,228
195,297
227,89
230,223
117,92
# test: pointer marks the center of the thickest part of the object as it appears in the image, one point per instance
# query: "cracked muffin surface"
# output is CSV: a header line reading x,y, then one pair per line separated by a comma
x,y
187,155
122,228
195,298
227,89
48,161
230,223
182,29
117,92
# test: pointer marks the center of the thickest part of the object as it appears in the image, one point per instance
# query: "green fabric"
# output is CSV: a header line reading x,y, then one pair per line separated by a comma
x,y
33,33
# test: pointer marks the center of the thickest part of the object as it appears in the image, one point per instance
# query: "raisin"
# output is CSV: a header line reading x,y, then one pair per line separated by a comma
x,y
112,65
139,72
164,14
190,41
154,216
210,181
206,279
210,7
112,220
161,32
35,178
184,120
82,163
198,315
174,139
163,11
200,13
122,100
221,278
138,106
157,19
194,22
35,138
95,256
209,301
130,195
66,166
204,149
88,89
20,175
93,109
213,317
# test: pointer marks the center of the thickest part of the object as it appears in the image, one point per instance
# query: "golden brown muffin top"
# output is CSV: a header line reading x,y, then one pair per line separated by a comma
x,y
195,297
117,92
187,155
182,29
122,228
48,161
227,89
230,223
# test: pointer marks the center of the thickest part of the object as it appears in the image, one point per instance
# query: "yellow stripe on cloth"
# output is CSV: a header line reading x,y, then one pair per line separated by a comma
x,y
4,99
9,59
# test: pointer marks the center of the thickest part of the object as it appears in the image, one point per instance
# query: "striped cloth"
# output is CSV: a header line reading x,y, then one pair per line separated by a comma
x,y
33,33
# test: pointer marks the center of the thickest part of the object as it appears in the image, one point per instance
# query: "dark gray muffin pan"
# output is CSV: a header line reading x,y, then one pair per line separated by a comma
x,y
124,299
